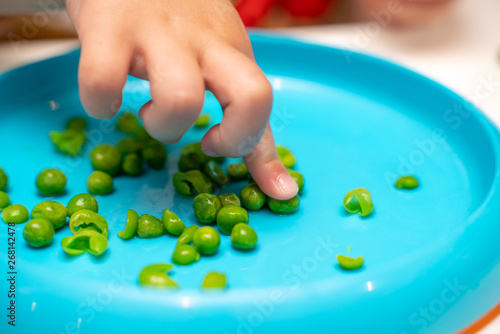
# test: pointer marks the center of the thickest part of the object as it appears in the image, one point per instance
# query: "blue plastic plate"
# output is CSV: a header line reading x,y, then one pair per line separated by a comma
x,y
432,255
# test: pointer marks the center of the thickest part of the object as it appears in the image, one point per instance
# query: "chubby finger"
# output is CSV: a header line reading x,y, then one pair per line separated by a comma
x,y
177,90
246,98
102,73
268,171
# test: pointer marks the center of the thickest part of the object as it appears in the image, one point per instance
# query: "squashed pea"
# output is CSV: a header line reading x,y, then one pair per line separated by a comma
x,y
86,240
215,172
54,212
130,226
172,223
88,220
192,183
206,207
155,275
358,200
69,142
229,199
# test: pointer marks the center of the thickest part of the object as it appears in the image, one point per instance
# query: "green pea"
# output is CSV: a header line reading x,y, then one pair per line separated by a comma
x,y
150,227
214,280
155,154
132,164
106,158
4,179
15,213
252,197
284,207
187,236
206,240
229,199
82,201
130,226
54,212
215,172
130,145
206,207
202,121
88,220
192,157
286,157
128,122
243,237
185,255
51,182
38,233
229,216
172,223
141,134
100,183
4,200
69,142
86,240
350,263
298,178
191,183
358,200
77,124
237,171
407,182
155,275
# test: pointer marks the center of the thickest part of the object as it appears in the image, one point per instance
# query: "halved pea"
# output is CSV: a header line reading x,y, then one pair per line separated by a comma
x,y
86,240
406,182
359,200
156,275
350,263
214,280
130,226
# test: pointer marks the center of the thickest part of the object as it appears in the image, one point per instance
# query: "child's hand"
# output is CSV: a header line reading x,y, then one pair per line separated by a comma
x,y
181,47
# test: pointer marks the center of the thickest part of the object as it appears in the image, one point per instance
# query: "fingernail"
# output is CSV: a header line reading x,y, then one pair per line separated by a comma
x,y
287,186
210,153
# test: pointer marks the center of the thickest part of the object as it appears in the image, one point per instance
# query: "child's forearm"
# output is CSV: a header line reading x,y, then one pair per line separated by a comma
x,y
13,7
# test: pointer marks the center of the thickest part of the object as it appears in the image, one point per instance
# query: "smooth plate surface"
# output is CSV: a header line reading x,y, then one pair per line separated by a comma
x,y
431,255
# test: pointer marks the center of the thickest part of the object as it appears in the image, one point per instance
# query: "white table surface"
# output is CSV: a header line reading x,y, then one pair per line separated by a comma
x,y
461,52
